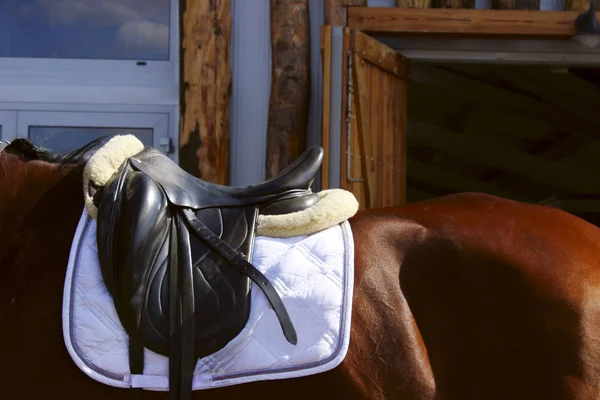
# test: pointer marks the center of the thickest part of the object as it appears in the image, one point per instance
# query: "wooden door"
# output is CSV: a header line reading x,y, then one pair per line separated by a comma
x,y
371,131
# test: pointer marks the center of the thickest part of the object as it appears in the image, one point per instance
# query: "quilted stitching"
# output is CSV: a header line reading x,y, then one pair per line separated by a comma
x,y
310,274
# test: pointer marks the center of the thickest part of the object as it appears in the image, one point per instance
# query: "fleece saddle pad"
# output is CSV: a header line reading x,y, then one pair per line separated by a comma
x,y
313,274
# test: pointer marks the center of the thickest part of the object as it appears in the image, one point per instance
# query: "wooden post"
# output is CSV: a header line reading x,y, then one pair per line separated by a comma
x,y
335,13
205,31
290,84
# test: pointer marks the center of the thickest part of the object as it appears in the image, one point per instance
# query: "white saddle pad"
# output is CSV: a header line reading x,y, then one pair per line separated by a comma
x,y
313,274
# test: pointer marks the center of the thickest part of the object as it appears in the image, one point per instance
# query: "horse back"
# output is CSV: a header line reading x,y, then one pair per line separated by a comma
x,y
505,296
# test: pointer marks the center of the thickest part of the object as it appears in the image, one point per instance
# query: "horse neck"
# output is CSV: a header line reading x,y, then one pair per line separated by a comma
x,y
40,204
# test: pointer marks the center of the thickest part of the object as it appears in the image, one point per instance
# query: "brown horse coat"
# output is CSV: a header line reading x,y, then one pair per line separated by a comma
x,y
462,297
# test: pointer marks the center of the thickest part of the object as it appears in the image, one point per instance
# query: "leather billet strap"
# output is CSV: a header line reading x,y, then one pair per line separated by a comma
x,y
237,260
181,312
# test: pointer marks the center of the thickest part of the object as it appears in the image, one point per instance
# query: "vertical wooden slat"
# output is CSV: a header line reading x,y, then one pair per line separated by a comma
x,y
347,111
290,84
413,3
388,139
360,75
457,3
326,121
373,162
578,5
375,132
400,125
205,74
376,172
356,165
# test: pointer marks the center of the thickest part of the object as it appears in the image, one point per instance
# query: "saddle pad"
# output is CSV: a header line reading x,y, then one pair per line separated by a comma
x,y
313,274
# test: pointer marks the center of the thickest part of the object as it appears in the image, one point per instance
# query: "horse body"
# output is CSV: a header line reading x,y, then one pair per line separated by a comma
x,y
462,297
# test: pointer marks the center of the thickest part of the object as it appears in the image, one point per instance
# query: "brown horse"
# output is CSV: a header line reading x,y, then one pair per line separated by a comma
x,y
463,297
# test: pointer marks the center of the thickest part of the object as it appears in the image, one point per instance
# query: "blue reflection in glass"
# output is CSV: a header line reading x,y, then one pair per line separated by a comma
x,y
61,139
85,29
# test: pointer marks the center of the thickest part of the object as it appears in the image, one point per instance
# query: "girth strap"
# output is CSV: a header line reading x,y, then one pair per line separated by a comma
x,y
237,261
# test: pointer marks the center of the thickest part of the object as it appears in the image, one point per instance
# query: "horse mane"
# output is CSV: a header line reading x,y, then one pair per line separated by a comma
x,y
78,156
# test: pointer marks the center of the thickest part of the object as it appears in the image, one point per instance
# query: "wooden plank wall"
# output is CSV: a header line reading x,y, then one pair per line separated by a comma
x,y
385,94
377,148
521,132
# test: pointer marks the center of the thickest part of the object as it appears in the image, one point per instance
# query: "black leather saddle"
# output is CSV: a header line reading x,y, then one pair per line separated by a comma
x,y
175,255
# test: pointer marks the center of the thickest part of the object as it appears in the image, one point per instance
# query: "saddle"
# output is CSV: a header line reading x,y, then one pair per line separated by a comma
x,y
175,253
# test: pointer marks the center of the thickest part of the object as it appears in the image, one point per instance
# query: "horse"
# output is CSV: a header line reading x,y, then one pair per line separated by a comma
x,y
467,296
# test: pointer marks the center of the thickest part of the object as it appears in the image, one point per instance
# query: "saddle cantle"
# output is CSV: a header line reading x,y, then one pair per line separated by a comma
x,y
174,253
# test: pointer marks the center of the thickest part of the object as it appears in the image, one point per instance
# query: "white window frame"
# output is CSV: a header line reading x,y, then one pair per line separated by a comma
x,y
65,68
94,93
158,122
94,81
8,122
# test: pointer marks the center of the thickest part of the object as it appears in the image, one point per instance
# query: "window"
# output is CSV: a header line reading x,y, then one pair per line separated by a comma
x,y
65,138
64,131
85,29
74,70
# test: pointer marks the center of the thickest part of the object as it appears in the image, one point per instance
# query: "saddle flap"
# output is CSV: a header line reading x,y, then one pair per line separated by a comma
x,y
134,234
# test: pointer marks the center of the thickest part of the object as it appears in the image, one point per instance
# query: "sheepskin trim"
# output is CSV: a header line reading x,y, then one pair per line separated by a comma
x,y
105,162
334,206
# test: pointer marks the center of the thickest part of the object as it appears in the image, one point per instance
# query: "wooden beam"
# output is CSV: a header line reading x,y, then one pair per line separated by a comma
x,y
205,30
444,178
553,174
427,21
576,205
290,84
469,89
335,13
385,58
326,121
414,194
565,92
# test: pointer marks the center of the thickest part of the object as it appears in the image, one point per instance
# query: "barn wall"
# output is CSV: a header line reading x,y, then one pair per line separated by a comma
x,y
251,86
528,133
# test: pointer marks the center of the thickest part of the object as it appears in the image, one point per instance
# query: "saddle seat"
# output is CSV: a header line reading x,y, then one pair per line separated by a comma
x,y
185,190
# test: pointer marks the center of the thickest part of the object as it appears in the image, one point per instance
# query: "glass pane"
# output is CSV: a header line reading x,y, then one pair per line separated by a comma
x,y
61,139
96,29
